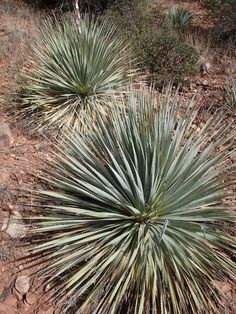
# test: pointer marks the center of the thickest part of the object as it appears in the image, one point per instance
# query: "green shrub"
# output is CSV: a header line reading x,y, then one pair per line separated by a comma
x,y
214,7
99,6
134,222
73,72
158,48
85,6
224,15
164,55
140,19
225,29
180,17
52,4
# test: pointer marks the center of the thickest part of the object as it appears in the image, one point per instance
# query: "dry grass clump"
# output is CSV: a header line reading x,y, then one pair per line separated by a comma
x,y
17,27
201,41
204,44
229,94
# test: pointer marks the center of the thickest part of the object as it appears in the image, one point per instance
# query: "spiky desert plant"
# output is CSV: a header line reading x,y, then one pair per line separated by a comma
x,y
134,221
180,17
229,94
76,65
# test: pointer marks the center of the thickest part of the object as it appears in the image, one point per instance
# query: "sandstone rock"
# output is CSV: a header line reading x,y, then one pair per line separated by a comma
x,y
22,284
21,267
16,227
6,138
31,298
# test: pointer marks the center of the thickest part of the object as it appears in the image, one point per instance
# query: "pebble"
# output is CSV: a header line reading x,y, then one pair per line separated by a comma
x,y
4,224
16,228
47,287
21,267
22,284
31,298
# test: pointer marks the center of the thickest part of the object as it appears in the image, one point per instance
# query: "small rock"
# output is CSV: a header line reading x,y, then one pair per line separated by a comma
x,y
21,267
16,227
205,83
31,298
47,287
16,214
4,224
40,147
9,207
22,284
6,138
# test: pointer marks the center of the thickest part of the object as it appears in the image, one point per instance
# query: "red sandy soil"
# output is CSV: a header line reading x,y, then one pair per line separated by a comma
x,y
19,166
